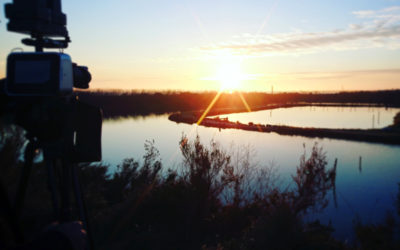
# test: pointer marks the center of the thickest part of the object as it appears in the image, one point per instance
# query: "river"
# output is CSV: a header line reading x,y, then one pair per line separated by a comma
x,y
366,192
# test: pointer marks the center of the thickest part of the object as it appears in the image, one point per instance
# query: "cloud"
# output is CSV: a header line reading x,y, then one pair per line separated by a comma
x,y
364,13
355,26
377,13
342,74
379,28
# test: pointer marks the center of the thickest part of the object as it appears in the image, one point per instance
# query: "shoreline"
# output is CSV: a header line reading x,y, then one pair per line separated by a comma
x,y
388,135
227,111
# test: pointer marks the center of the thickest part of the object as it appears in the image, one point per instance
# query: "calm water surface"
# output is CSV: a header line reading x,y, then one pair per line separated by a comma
x,y
322,117
368,193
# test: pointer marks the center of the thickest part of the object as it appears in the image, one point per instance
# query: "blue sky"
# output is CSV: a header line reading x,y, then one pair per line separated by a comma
x,y
293,45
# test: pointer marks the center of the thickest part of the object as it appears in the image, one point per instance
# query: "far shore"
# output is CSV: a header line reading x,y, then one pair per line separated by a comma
x,y
121,104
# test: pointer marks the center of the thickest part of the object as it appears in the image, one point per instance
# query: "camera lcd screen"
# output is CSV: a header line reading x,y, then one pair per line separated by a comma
x,y
32,72
38,74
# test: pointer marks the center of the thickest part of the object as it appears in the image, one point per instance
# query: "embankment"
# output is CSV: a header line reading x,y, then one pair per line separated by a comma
x,y
386,136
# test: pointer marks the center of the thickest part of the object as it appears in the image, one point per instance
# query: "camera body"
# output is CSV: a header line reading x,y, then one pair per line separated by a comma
x,y
38,89
39,74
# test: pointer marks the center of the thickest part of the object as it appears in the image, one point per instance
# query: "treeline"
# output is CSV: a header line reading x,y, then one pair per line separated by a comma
x,y
115,103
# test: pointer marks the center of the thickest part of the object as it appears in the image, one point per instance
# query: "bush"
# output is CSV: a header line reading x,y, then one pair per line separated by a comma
x,y
215,199
396,120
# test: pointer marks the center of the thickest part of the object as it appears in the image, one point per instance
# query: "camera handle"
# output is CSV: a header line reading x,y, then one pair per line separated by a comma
x,y
40,42
69,180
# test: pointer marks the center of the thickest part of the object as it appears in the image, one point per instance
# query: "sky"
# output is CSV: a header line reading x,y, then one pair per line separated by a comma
x,y
250,45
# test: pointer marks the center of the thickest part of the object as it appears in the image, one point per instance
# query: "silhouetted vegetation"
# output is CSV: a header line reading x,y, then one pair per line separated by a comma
x,y
116,103
396,120
215,200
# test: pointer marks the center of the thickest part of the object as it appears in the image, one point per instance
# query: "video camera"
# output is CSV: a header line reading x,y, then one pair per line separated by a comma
x,y
44,74
45,81
40,73
38,95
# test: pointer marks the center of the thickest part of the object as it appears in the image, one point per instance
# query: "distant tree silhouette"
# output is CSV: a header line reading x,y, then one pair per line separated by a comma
x,y
117,103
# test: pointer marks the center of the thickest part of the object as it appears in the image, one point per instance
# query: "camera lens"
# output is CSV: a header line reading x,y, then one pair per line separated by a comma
x,y
82,76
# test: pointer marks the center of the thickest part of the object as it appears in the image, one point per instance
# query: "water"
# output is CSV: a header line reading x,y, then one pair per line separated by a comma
x,y
322,117
368,193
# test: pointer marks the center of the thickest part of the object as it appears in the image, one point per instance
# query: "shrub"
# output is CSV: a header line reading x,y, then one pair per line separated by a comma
x,y
396,120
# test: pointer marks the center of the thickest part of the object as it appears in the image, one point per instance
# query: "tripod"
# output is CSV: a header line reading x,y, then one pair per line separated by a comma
x,y
54,156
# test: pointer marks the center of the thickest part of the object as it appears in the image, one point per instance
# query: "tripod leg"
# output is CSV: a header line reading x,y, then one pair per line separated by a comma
x,y
81,205
52,187
65,187
26,171
10,217
78,195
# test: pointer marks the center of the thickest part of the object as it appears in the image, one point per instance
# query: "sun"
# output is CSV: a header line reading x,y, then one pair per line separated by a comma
x,y
230,76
